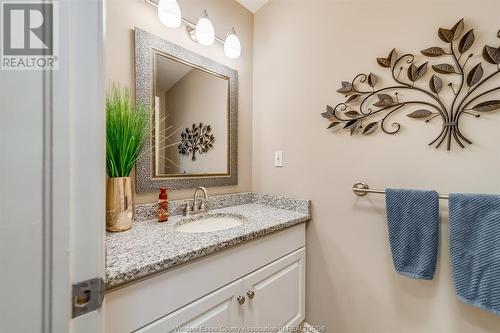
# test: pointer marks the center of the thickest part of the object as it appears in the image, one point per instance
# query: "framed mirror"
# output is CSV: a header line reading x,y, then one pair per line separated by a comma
x,y
193,103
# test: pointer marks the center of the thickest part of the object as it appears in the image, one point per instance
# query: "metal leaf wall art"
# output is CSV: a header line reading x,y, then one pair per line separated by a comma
x,y
365,102
197,139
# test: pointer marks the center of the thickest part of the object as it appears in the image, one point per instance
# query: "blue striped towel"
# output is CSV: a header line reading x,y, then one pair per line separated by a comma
x,y
413,220
475,249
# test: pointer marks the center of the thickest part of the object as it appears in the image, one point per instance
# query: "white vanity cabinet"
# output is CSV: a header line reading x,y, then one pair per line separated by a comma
x,y
258,284
271,297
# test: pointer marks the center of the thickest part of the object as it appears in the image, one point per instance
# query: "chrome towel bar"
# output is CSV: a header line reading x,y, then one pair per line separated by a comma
x,y
362,189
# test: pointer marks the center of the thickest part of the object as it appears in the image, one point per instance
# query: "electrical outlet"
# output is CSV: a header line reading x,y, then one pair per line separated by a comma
x,y
278,158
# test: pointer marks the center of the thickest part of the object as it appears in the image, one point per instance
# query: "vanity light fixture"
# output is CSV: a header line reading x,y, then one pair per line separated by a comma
x,y
169,13
203,32
232,45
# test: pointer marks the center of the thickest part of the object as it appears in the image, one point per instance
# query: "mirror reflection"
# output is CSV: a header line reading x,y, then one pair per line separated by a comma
x,y
191,119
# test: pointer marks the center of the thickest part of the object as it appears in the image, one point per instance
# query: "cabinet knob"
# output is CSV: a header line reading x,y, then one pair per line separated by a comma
x,y
241,300
250,294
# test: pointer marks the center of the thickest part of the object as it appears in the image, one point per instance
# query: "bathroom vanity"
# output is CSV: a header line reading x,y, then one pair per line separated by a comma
x,y
240,261
251,275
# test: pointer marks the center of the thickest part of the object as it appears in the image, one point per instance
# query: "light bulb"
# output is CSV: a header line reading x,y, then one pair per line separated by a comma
x,y
232,45
169,13
205,34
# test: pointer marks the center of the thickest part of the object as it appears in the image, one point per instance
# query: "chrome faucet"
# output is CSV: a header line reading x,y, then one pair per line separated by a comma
x,y
196,208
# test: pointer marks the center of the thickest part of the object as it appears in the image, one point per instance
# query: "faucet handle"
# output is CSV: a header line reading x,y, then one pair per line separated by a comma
x,y
187,209
202,205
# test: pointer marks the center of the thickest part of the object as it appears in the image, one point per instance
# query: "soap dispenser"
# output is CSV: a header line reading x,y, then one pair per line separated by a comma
x,y
162,212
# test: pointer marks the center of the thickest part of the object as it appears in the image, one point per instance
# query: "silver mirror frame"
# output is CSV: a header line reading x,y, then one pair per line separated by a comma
x,y
145,46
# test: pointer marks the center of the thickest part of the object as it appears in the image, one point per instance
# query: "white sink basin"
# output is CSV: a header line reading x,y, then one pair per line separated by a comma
x,y
209,223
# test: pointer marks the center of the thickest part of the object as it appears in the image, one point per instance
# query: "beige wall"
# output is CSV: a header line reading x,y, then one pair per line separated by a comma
x,y
302,50
123,15
199,97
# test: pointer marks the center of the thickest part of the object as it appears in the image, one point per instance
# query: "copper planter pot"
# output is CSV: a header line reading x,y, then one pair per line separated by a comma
x,y
119,205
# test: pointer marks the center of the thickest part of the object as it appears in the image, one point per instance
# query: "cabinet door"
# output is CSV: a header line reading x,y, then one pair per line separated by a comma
x,y
212,313
276,293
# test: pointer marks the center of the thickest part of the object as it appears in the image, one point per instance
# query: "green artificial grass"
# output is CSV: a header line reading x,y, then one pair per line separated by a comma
x,y
126,131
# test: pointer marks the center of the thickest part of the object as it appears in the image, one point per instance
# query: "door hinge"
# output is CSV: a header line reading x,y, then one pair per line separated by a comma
x,y
87,296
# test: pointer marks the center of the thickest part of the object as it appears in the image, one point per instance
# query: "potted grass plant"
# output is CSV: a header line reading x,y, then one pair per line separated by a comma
x,y
126,131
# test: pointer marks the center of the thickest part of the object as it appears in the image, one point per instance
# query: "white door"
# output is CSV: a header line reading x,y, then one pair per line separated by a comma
x,y
217,312
275,293
52,172
22,218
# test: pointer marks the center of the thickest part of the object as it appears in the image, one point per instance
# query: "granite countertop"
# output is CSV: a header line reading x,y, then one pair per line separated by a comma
x,y
151,247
